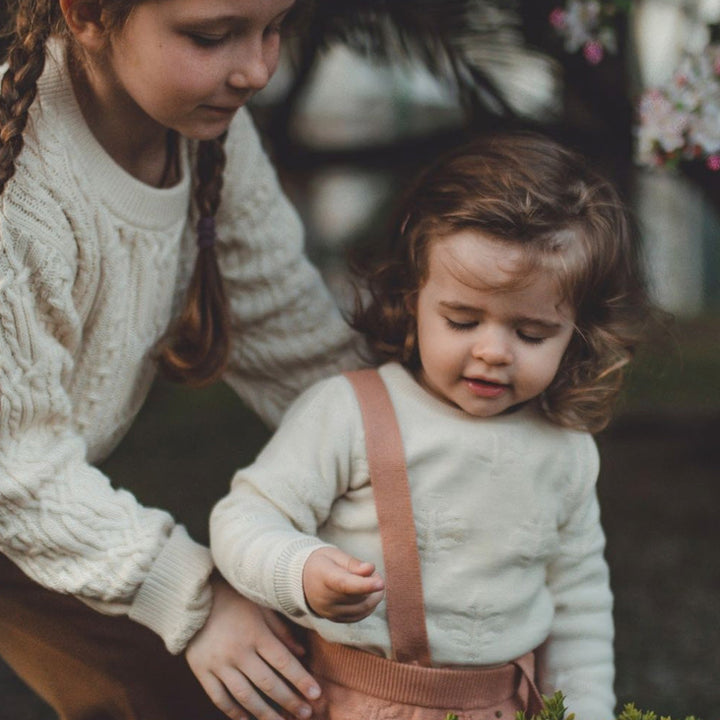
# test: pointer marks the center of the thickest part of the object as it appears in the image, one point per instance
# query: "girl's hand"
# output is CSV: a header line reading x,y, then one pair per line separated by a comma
x,y
243,649
340,587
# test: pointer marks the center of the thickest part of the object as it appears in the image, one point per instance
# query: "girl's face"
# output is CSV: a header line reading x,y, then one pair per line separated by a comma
x,y
190,65
487,342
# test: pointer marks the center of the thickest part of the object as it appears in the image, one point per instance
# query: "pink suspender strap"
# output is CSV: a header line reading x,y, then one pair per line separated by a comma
x,y
388,475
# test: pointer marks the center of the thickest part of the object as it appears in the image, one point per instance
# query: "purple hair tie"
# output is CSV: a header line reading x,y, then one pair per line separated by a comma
x,y
206,232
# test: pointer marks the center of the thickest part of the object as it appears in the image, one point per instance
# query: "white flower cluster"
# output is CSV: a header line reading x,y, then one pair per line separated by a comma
x,y
586,25
681,119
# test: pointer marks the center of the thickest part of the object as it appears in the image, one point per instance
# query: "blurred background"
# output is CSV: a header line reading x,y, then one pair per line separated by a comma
x,y
371,90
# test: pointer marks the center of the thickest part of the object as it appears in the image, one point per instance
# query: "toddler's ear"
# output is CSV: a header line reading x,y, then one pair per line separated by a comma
x,y
84,19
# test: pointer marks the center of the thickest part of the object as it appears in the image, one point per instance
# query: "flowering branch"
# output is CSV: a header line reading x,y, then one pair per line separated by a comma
x,y
681,119
589,26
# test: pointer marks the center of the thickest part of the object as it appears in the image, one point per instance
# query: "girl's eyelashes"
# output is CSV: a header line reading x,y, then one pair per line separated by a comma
x,y
280,26
470,324
209,40
454,325
275,28
205,40
530,339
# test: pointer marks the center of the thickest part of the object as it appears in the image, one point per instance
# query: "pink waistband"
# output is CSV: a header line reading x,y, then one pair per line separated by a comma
x,y
421,686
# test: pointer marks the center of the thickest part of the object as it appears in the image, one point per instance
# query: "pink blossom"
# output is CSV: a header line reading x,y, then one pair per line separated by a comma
x,y
713,162
558,18
593,52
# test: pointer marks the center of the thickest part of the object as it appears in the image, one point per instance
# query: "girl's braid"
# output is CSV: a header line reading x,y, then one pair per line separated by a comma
x,y
197,348
35,21
209,171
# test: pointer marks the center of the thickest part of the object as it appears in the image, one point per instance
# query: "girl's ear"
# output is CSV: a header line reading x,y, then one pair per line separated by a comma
x,y
84,19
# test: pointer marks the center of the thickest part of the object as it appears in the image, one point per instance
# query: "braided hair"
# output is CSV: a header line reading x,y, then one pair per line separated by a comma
x,y
197,347
195,350
31,24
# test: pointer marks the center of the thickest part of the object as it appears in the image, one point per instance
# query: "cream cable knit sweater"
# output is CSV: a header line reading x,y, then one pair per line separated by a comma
x,y
93,264
507,520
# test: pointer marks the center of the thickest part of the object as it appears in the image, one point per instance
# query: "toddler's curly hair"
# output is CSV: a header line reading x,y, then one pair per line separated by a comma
x,y
525,190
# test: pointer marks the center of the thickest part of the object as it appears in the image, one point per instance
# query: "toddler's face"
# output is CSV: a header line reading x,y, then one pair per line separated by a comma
x,y
191,64
486,341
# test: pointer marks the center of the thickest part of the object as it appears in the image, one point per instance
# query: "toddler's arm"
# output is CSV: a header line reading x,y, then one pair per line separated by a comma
x,y
578,657
263,532
340,587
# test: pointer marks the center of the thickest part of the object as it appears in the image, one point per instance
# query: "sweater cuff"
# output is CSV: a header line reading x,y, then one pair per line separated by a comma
x,y
175,599
288,576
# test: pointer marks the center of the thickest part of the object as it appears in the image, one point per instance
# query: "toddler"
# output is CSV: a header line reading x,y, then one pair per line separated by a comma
x,y
453,561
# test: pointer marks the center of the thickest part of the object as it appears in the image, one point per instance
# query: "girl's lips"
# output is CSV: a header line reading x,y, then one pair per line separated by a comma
x,y
222,110
485,388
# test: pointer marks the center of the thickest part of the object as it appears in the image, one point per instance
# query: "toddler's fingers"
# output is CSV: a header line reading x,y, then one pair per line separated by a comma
x,y
360,567
372,601
346,583
357,611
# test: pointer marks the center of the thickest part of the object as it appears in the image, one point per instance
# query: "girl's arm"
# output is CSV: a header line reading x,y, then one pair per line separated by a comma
x,y
63,523
578,657
287,330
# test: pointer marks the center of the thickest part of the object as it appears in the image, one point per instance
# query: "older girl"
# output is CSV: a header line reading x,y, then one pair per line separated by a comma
x,y
131,178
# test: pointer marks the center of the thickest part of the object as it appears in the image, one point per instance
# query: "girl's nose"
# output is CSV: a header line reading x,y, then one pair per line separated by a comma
x,y
254,69
493,347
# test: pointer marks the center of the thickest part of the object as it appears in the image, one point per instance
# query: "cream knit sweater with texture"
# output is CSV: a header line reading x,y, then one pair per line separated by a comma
x,y
507,520
93,266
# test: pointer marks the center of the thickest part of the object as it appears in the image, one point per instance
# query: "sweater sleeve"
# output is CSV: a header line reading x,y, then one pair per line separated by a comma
x,y
287,331
61,521
578,657
263,531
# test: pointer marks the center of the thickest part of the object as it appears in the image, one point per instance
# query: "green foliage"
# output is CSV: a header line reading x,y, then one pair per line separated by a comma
x,y
630,712
554,709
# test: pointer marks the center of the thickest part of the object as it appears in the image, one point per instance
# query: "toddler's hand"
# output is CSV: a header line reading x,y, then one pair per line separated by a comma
x,y
340,587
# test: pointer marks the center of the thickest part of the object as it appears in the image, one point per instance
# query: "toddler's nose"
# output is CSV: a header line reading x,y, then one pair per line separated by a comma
x,y
493,347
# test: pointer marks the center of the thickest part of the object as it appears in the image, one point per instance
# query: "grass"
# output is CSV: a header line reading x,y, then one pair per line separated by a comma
x,y
679,376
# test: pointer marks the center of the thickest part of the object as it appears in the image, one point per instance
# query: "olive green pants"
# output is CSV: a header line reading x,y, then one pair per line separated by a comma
x,y
89,666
